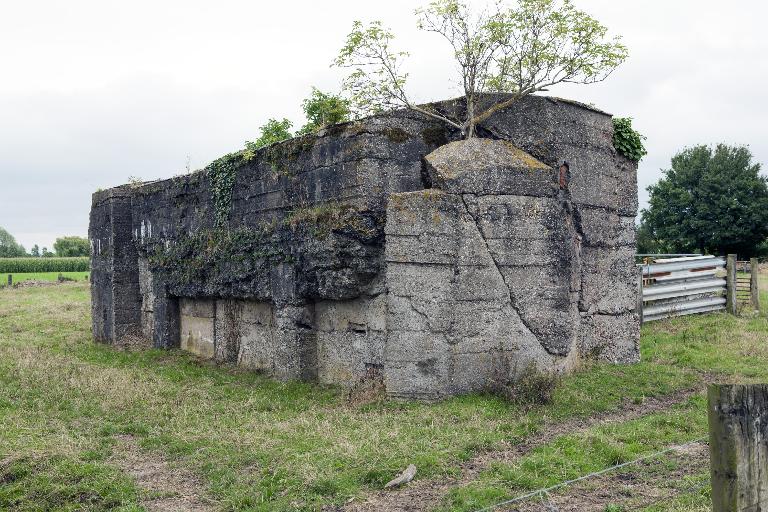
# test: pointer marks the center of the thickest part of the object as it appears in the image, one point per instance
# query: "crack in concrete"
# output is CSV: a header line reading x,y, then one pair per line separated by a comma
x,y
497,267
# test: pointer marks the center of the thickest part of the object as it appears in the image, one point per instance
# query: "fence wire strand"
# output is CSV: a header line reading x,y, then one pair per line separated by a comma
x,y
544,492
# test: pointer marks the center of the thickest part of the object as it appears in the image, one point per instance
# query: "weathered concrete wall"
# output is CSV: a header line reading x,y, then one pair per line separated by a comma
x,y
363,250
116,303
483,273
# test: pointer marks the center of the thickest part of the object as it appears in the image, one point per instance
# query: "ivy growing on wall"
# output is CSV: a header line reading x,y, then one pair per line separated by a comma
x,y
221,174
627,140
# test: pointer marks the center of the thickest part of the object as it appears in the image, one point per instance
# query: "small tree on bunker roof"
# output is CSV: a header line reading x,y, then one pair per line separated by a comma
x,y
323,109
518,48
272,132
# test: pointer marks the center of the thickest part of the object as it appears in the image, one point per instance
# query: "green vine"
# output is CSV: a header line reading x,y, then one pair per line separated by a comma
x,y
222,173
627,140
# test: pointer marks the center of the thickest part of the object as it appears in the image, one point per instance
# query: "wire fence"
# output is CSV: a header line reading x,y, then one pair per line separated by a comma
x,y
551,498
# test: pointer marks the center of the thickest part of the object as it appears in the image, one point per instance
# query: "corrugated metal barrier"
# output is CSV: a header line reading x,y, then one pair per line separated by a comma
x,y
682,286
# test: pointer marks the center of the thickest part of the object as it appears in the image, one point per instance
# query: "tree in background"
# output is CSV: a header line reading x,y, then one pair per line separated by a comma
x,y
647,244
47,254
72,246
710,201
35,251
323,110
519,48
9,248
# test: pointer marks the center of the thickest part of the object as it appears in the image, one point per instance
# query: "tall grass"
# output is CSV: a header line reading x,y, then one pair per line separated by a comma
x,y
13,265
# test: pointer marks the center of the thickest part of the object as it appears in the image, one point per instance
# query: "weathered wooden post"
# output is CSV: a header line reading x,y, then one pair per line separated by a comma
x,y
754,287
738,445
640,294
10,279
730,291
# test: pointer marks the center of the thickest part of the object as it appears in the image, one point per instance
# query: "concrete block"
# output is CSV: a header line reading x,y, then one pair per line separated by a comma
x,y
197,335
612,338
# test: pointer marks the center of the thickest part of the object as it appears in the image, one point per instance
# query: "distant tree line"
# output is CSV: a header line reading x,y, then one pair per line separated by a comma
x,y
710,201
67,246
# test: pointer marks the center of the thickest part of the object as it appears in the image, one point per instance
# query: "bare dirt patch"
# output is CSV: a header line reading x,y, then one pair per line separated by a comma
x,y
167,488
427,494
34,283
131,342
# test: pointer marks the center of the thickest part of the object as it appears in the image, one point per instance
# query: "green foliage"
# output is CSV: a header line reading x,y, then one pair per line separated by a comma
x,y
35,251
323,110
69,246
710,201
273,132
519,49
627,140
546,42
32,264
222,174
376,82
9,248
648,244
203,255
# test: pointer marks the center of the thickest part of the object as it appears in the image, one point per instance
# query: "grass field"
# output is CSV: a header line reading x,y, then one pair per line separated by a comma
x,y
84,424
42,276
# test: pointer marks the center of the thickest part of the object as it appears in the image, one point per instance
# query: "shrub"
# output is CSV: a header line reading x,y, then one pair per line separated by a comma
x,y
531,387
627,140
322,110
25,265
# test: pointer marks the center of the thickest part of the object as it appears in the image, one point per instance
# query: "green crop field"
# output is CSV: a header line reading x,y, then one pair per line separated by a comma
x,y
91,427
29,265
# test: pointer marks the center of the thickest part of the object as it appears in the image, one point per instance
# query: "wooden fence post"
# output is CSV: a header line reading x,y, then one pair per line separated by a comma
x,y
10,279
640,294
754,287
738,445
730,291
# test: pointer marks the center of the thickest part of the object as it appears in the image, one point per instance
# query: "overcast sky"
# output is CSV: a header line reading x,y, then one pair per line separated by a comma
x,y
93,92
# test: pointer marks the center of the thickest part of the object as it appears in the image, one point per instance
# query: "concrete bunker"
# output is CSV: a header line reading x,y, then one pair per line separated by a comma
x,y
385,246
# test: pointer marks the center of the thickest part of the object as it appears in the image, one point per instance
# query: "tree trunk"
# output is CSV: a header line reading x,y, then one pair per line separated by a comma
x,y
470,133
